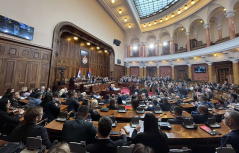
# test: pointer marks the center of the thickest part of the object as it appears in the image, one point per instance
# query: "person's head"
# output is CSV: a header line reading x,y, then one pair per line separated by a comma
x,y
137,87
150,123
112,102
165,100
73,94
94,103
178,111
24,89
56,95
38,95
135,104
4,104
232,119
30,90
202,109
143,96
122,93
155,102
83,111
48,98
202,99
177,98
140,148
15,95
85,102
107,96
104,127
42,88
33,115
8,92
60,148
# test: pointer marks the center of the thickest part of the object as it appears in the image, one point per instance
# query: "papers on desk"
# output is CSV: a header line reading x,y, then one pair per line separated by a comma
x,y
130,130
123,102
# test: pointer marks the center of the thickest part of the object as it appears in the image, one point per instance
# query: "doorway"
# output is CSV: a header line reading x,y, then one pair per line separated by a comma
x,y
222,74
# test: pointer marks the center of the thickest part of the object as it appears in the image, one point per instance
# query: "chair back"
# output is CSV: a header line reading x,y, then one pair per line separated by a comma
x,y
121,107
180,151
124,149
76,147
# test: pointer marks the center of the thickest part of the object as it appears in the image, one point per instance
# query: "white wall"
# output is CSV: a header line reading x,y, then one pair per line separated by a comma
x,y
44,15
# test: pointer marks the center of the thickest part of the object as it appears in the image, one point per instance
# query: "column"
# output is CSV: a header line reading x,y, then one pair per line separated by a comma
x,y
145,55
230,15
141,71
144,71
206,27
188,41
190,71
219,29
128,50
172,72
141,49
210,72
235,72
128,70
157,47
171,45
158,72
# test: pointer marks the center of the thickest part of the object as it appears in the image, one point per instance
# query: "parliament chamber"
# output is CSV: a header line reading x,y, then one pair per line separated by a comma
x,y
119,76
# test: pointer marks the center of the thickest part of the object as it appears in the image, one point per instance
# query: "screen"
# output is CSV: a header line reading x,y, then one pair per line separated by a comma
x,y
200,69
15,28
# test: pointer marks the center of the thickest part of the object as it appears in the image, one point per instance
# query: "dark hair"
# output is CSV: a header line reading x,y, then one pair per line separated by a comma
x,y
12,94
83,111
48,98
37,95
31,114
178,110
165,100
203,108
3,104
141,148
150,123
56,94
135,104
37,90
119,100
203,97
72,93
107,96
85,102
105,126
155,102
7,93
112,102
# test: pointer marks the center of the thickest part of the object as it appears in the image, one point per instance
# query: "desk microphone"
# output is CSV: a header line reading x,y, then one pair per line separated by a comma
x,y
228,138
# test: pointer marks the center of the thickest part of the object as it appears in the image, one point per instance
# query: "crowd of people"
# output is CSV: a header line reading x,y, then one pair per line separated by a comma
x,y
44,103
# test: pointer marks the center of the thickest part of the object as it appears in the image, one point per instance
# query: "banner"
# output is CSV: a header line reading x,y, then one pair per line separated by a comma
x,y
84,63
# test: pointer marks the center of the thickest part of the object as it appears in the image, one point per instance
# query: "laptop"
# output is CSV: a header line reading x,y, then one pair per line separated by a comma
x,y
142,104
63,116
104,109
128,103
139,110
134,122
158,110
121,109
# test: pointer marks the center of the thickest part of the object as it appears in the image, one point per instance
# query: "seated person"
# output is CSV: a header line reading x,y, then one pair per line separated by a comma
x,y
232,121
119,99
8,92
178,100
107,99
112,105
14,97
203,115
165,105
79,130
30,129
151,107
123,96
72,103
103,144
94,104
60,148
152,135
111,87
56,98
8,121
50,109
135,104
81,97
141,148
27,93
177,113
36,100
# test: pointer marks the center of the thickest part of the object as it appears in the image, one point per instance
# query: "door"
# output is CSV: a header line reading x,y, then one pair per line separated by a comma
x,y
222,74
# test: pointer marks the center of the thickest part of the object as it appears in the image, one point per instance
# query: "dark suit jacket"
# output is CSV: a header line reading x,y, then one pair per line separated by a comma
x,y
123,97
51,110
8,122
233,140
78,130
157,141
178,102
72,105
107,101
200,119
136,90
106,145
15,101
21,133
176,120
165,106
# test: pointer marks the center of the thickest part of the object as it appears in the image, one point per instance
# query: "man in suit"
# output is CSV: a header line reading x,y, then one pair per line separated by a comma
x,y
72,103
165,105
103,144
177,112
183,92
178,100
232,121
79,130
203,115
137,90
14,96
30,129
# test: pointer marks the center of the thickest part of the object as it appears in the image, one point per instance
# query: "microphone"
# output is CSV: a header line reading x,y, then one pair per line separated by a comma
x,y
228,138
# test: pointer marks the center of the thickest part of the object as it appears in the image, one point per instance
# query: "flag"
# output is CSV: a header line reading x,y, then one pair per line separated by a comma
x,y
89,74
79,73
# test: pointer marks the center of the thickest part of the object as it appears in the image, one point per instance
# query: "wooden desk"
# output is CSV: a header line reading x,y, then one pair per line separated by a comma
x,y
187,106
63,108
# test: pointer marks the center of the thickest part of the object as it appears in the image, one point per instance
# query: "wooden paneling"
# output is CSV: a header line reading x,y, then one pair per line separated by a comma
x,y
151,71
134,71
119,72
181,72
23,65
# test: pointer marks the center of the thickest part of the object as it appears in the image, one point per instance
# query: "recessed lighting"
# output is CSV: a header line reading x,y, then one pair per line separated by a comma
x,y
195,57
185,7
125,19
113,1
155,22
97,47
224,9
75,38
179,11
129,25
192,2
144,25
166,18
172,15
120,11
149,24
161,20
214,54
106,51
88,44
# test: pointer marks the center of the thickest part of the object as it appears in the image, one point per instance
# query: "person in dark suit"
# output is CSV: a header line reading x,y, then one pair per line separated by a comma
x,y
151,107
165,105
137,90
72,103
177,112
30,128
103,143
232,121
152,136
50,108
14,97
8,121
123,96
183,92
107,99
119,99
79,130
178,100
112,105
203,115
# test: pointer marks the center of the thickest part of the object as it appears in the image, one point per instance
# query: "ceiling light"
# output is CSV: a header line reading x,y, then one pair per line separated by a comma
x,y
192,2
182,28
144,25
201,21
214,54
75,38
135,48
120,11
88,44
149,24
125,19
179,11
178,60
68,39
195,57
105,51
150,62
133,62
113,1
155,22
224,9
97,47
185,7
161,20
129,25
166,18
151,46
163,61
172,15
165,43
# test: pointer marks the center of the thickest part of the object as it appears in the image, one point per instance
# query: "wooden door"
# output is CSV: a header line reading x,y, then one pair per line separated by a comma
x,y
182,75
222,74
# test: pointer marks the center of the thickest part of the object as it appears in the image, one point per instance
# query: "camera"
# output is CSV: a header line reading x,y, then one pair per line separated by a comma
x,y
61,68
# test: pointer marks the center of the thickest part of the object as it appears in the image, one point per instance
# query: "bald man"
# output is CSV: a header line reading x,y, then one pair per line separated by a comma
x,y
203,115
232,121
